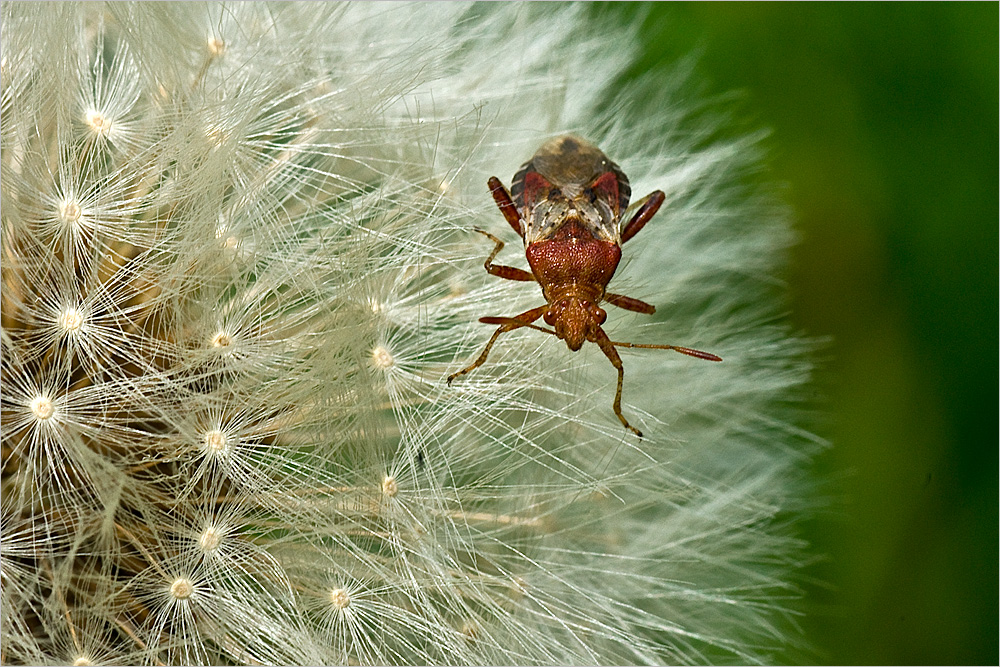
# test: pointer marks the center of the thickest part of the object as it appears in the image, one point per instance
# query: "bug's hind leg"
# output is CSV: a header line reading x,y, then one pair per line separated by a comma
x,y
506,205
647,208
515,322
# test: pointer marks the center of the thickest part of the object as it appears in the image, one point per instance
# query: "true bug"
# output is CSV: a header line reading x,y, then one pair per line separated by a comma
x,y
567,204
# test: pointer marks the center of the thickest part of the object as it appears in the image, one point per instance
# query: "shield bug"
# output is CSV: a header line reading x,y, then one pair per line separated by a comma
x,y
567,204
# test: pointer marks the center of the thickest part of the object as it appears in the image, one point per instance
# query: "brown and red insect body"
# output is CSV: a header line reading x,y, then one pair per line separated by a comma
x,y
567,204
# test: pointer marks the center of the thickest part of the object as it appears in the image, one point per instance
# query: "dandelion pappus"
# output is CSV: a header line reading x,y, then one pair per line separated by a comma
x,y
567,204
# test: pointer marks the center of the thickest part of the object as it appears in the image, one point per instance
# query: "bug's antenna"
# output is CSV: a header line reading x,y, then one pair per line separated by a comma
x,y
708,356
514,320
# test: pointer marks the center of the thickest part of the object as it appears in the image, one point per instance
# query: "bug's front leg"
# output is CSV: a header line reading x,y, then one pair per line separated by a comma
x,y
515,322
611,353
499,270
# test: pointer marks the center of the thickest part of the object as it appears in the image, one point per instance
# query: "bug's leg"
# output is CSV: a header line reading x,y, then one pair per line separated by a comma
x,y
628,303
505,204
516,322
611,353
647,209
500,271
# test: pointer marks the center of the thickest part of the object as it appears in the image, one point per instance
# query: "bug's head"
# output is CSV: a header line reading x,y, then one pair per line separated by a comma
x,y
576,320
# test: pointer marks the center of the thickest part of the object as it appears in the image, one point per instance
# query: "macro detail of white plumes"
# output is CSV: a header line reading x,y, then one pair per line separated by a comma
x,y
238,263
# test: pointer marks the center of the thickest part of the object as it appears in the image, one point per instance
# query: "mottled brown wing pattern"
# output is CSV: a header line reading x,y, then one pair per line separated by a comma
x,y
570,179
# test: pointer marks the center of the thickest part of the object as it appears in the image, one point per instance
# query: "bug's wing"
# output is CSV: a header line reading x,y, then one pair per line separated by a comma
x,y
613,187
568,180
600,204
529,187
543,208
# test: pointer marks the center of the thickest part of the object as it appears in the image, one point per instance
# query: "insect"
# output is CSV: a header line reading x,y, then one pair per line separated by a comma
x,y
567,204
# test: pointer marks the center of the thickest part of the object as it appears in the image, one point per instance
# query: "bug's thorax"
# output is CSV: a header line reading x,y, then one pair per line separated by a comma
x,y
573,268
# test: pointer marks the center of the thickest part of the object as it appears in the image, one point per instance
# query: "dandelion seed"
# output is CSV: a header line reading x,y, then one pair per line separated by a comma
x,y
389,487
216,135
42,407
382,358
470,630
222,339
70,319
340,598
209,539
216,46
216,443
70,213
98,123
181,588
229,240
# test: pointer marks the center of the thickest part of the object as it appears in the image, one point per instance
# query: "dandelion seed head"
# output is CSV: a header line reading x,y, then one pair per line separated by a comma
x,y
208,246
82,661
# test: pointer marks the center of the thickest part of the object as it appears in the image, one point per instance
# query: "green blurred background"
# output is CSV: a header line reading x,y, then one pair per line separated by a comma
x,y
884,120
